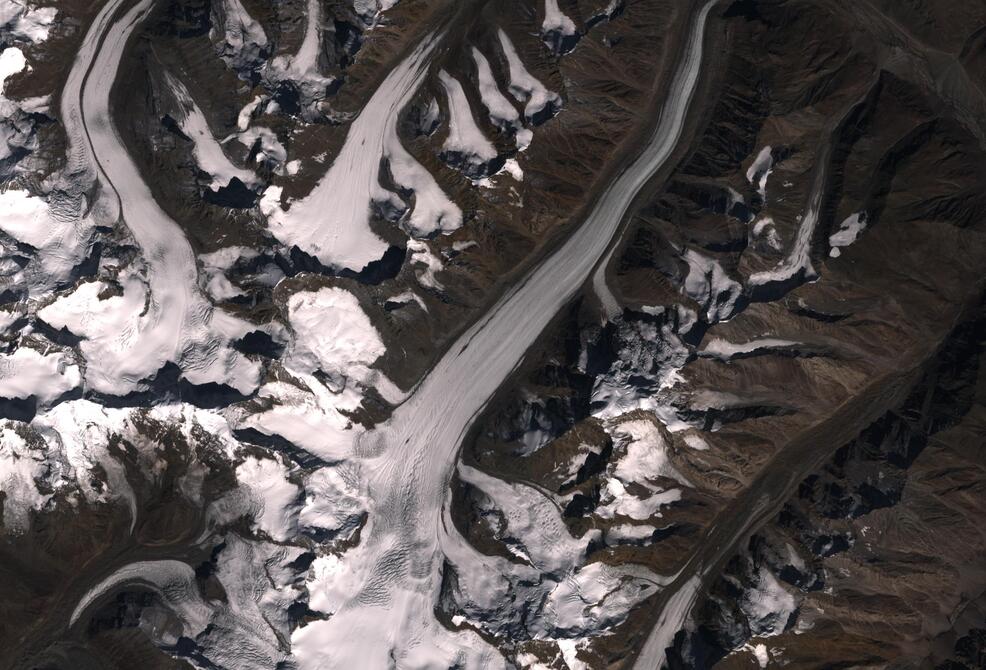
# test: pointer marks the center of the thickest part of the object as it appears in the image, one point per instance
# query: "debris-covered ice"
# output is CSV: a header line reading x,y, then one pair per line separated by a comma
x,y
239,38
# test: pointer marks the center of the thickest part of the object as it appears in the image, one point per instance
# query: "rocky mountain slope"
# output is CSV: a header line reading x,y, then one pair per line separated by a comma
x,y
536,334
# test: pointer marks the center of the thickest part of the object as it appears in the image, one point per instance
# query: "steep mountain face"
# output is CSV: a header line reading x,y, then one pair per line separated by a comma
x,y
536,334
789,299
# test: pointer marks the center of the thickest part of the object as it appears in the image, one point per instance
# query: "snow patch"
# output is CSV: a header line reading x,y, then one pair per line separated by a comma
x,y
421,254
709,285
724,350
640,459
850,229
760,169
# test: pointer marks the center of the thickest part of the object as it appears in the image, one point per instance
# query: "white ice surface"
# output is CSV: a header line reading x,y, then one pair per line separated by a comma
x,y
501,111
61,241
615,500
176,323
302,67
79,439
655,347
272,492
20,468
395,571
760,653
644,453
798,260
23,21
626,532
409,296
207,151
409,460
8,318
243,37
248,627
569,652
18,129
60,244
695,441
670,621
171,579
760,169
333,500
214,268
12,61
640,459
464,136
331,333
332,222
764,227
249,109
523,85
315,417
555,21
27,372
271,149
534,521
25,217
596,597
